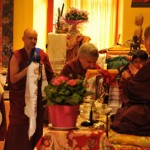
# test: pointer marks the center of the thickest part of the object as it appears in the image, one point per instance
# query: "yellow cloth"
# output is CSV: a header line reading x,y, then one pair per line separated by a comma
x,y
126,139
91,73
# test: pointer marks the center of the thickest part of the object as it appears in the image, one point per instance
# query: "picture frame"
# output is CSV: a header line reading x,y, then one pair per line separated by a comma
x,y
140,3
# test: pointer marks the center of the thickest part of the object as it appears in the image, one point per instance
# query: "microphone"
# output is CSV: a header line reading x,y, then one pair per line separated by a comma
x,y
90,122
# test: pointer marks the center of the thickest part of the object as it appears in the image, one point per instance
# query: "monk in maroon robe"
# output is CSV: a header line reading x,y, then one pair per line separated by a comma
x,y
87,57
17,135
134,117
3,123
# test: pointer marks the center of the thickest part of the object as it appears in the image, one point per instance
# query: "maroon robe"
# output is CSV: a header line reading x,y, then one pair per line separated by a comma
x,y
75,69
134,117
17,136
3,124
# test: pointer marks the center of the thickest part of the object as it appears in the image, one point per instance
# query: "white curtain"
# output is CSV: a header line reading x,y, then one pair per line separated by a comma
x,y
101,26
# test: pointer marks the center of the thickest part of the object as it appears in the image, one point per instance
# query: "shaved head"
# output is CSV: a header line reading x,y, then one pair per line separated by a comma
x,y
29,31
29,38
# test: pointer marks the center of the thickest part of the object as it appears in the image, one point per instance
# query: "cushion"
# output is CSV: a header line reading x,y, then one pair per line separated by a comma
x,y
125,139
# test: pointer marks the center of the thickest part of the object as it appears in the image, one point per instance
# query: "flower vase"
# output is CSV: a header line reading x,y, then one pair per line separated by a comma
x,y
73,25
63,116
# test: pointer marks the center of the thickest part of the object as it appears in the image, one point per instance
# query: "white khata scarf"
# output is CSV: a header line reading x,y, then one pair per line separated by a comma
x,y
33,75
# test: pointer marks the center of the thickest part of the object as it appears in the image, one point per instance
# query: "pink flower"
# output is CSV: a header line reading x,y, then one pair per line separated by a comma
x,y
55,82
63,90
62,78
71,82
59,80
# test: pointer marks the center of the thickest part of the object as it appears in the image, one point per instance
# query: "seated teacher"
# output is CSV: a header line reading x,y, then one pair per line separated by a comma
x,y
134,117
86,59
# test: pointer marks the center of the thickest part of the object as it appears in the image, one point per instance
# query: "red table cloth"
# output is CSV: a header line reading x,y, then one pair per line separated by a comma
x,y
75,139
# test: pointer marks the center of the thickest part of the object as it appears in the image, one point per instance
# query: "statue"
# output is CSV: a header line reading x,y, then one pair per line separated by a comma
x,y
74,41
135,44
137,37
139,30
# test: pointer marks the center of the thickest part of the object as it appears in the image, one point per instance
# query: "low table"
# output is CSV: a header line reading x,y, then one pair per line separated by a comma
x,y
79,138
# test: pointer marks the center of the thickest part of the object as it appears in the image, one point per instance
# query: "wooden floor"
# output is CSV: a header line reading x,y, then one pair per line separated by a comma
x,y
7,111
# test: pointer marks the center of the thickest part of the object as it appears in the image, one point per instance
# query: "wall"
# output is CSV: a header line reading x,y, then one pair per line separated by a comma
x,y
30,14
40,21
129,14
23,18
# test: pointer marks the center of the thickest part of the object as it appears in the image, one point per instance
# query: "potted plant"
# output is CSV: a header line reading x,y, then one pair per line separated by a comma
x,y
64,95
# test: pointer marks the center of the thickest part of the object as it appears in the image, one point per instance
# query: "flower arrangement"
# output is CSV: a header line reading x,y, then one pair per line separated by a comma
x,y
64,91
75,14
